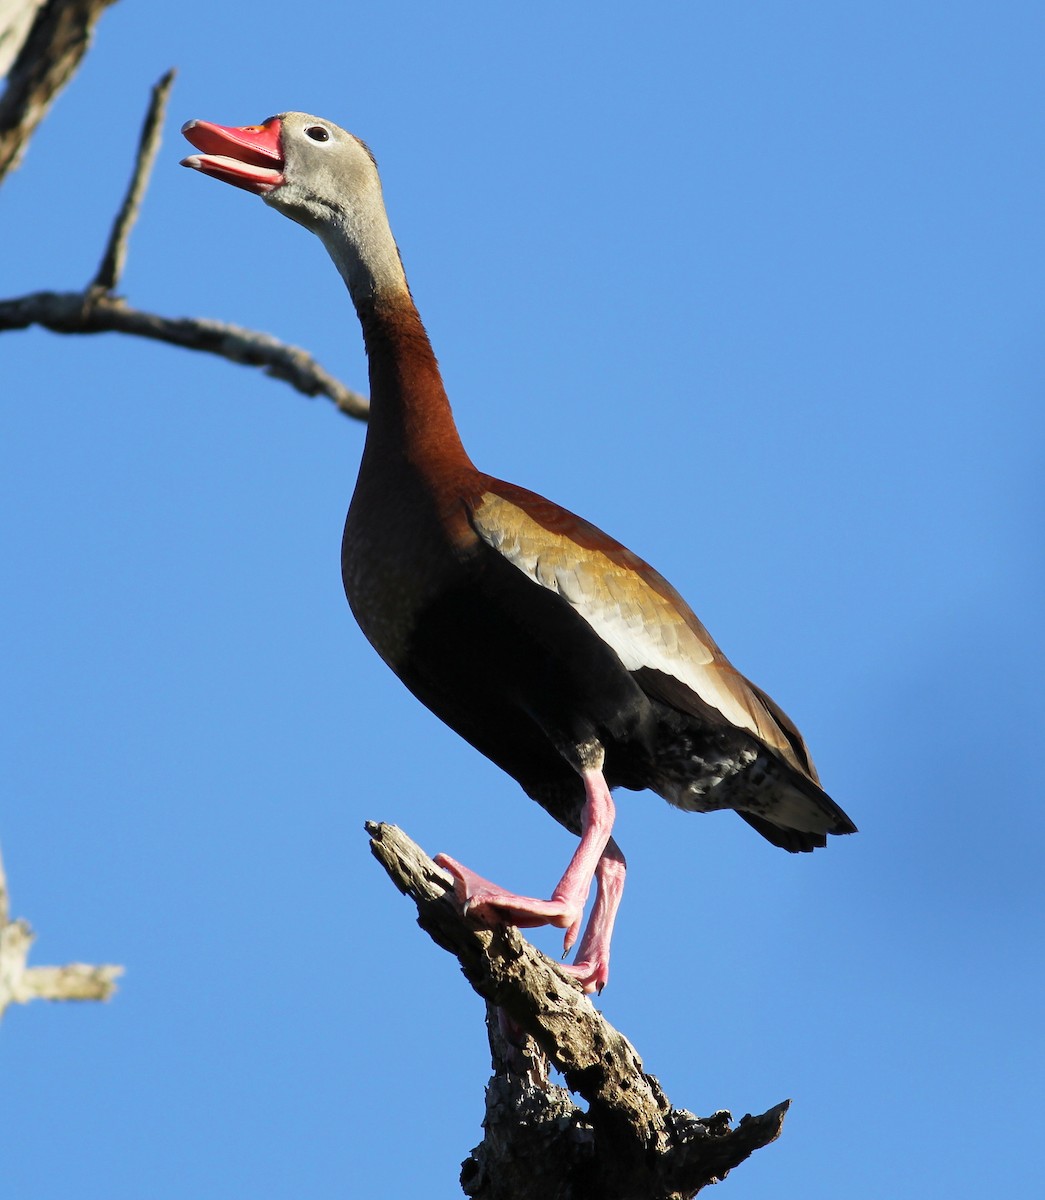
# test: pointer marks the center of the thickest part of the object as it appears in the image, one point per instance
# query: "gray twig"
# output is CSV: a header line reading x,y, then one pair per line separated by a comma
x,y
111,268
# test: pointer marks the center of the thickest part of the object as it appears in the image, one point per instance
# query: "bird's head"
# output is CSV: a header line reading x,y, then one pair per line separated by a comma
x,y
316,173
311,170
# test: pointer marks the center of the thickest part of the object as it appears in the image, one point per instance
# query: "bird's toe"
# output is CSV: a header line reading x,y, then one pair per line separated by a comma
x,y
593,975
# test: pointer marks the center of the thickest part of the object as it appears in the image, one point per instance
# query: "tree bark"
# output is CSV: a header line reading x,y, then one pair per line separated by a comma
x,y
629,1142
47,59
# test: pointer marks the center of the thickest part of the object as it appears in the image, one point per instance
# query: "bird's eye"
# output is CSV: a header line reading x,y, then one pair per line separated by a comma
x,y
317,133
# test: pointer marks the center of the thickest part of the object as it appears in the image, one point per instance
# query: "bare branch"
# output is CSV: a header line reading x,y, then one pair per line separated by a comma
x,y
60,37
77,312
115,255
630,1141
20,983
75,981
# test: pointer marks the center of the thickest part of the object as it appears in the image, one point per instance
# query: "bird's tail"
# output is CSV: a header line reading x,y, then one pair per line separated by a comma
x,y
802,820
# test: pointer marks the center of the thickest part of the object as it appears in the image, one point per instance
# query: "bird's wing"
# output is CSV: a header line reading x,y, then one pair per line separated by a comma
x,y
633,609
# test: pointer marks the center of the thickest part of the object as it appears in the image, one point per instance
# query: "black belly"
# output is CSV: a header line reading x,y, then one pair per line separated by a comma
x,y
516,672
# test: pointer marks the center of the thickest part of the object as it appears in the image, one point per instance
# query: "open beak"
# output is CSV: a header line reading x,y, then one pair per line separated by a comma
x,y
249,157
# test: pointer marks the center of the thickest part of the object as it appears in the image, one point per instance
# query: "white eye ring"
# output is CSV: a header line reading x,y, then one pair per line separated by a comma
x,y
318,133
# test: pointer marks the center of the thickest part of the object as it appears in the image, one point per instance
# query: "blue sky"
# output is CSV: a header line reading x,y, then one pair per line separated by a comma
x,y
756,288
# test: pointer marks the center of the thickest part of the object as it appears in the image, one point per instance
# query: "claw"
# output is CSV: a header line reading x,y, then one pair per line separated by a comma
x,y
593,976
572,933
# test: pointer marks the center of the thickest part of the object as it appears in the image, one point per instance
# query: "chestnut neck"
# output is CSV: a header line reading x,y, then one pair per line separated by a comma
x,y
410,415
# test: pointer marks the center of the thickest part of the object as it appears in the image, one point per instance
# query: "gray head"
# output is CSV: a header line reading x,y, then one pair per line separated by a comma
x,y
319,175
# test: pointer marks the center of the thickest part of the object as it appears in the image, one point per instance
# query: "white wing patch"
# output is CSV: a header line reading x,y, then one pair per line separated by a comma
x,y
644,628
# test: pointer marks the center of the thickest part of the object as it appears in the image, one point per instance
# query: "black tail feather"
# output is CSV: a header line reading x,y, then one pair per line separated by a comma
x,y
794,840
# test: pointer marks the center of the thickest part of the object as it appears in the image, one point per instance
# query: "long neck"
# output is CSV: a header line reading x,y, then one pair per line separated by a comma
x,y
410,414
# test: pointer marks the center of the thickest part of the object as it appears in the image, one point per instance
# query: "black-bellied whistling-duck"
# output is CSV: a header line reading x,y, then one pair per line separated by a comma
x,y
549,646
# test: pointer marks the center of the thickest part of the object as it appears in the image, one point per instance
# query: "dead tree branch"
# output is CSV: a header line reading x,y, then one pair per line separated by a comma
x,y
59,38
630,1142
87,312
20,983
111,268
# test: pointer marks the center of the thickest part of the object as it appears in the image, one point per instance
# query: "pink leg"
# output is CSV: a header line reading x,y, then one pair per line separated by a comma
x,y
592,964
491,905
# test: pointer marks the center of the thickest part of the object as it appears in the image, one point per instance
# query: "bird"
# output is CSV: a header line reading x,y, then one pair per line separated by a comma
x,y
546,644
